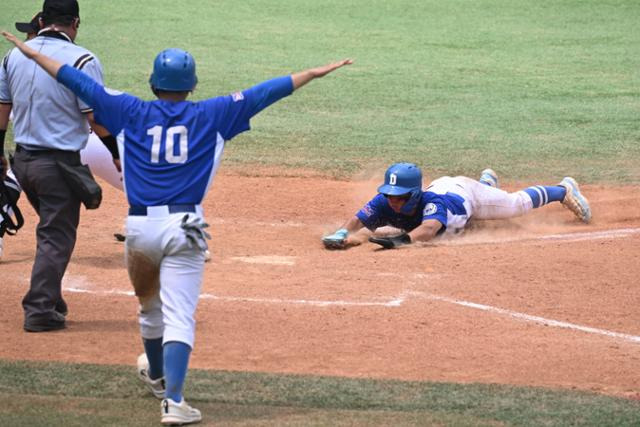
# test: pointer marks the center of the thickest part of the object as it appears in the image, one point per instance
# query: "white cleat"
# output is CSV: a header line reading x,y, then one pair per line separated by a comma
x,y
575,201
156,386
179,413
489,177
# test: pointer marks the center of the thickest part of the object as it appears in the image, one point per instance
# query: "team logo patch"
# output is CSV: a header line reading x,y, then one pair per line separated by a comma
x,y
237,96
367,210
429,209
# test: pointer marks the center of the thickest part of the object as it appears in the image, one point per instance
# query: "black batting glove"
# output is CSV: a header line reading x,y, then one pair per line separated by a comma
x,y
391,242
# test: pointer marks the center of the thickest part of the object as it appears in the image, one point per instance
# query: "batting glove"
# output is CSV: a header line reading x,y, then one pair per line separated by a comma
x,y
194,230
391,242
337,240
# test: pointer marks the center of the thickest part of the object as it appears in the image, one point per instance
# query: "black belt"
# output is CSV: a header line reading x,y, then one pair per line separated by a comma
x,y
43,151
142,210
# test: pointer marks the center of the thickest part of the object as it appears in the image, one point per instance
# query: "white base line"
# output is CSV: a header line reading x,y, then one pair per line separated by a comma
x,y
556,238
397,302
533,319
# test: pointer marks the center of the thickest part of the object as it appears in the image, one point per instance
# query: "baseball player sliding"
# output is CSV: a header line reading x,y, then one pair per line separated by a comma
x,y
446,206
171,151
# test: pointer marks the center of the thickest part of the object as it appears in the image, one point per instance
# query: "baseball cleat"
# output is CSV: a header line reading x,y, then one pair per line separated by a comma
x,y
489,177
157,386
179,413
575,201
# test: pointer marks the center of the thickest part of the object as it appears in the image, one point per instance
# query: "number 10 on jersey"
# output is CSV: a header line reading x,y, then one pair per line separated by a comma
x,y
170,156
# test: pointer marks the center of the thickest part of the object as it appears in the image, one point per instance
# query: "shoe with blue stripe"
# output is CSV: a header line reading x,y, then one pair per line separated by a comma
x,y
489,177
575,201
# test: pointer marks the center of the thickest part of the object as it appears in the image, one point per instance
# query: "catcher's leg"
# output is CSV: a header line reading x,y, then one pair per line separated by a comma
x,y
100,161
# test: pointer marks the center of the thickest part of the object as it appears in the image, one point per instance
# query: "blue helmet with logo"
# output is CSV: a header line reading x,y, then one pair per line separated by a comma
x,y
401,179
174,70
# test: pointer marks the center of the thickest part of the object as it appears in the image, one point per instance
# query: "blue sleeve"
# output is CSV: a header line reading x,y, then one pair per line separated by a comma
x,y
111,108
232,113
78,82
371,215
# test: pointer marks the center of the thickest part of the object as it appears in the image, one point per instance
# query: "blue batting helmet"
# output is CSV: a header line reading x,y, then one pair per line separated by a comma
x,y
400,179
174,70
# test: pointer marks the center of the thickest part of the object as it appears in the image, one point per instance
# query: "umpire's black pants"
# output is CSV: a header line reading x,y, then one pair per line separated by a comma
x,y
59,212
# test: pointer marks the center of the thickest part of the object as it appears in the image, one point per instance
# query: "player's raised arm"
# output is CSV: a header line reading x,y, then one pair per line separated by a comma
x,y
51,66
303,77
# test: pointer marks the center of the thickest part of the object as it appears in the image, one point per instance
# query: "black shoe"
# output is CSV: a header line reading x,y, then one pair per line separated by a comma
x,y
61,307
53,322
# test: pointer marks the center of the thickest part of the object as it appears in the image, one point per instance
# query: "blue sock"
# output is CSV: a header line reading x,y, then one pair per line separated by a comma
x,y
543,194
153,348
176,362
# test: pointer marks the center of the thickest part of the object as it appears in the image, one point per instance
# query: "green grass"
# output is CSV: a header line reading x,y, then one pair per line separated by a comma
x,y
533,89
63,394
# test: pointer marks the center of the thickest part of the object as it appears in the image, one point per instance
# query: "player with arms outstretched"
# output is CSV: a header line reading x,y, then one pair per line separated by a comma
x,y
171,151
446,206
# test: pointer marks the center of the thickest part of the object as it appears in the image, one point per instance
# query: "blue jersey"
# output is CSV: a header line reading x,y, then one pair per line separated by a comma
x,y
172,149
441,207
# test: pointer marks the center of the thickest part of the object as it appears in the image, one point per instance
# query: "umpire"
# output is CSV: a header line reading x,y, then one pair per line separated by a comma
x,y
50,126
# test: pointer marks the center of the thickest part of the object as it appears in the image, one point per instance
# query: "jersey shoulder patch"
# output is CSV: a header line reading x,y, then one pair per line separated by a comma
x,y
237,96
429,209
112,92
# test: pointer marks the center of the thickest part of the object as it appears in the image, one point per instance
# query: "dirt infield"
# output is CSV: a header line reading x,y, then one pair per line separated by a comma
x,y
542,301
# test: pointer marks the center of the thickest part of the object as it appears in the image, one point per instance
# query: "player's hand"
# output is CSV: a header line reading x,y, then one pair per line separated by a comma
x,y
391,242
326,69
337,240
27,51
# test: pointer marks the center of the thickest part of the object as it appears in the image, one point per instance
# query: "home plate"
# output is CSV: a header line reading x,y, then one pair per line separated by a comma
x,y
266,259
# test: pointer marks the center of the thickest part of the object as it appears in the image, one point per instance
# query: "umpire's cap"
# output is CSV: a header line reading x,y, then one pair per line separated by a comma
x,y
30,27
174,70
56,9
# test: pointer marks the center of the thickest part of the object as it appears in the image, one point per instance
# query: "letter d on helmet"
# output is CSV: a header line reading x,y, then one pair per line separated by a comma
x,y
174,70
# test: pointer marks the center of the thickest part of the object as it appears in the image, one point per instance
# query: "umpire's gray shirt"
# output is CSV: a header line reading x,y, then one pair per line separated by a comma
x,y
46,115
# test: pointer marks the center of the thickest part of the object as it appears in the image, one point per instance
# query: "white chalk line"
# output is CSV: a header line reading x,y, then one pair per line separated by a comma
x,y
397,302
530,318
266,259
561,237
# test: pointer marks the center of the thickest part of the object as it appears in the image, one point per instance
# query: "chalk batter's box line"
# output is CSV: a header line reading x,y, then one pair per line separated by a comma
x,y
398,302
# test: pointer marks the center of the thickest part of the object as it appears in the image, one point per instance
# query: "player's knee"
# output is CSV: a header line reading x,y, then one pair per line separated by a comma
x,y
523,202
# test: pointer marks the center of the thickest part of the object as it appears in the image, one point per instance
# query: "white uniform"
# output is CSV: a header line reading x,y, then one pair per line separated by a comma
x,y
481,201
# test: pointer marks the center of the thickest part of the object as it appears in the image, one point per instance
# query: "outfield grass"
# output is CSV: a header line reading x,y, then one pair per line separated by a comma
x,y
79,395
533,89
